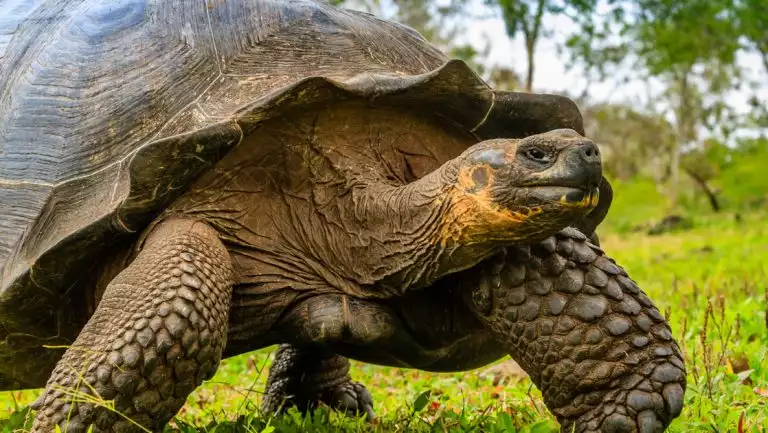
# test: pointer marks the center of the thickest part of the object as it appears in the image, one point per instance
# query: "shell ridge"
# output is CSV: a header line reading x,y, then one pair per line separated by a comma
x,y
213,41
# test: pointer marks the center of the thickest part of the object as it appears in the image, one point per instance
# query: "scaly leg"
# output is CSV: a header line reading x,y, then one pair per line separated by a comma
x,y
301,377
591,340
157,333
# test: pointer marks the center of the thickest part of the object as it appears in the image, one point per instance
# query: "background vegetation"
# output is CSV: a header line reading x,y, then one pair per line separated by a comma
x,y
690,171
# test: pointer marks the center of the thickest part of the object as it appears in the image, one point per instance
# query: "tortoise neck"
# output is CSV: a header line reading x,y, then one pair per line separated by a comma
x,y
414,224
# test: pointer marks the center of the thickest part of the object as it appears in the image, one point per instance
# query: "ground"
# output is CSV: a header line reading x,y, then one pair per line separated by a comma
x,y
712,281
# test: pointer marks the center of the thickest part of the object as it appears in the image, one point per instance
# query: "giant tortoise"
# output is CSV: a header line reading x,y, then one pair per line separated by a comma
x,y
184,181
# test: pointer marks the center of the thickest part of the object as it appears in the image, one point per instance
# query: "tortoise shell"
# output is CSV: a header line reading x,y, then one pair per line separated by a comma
x,y
109,109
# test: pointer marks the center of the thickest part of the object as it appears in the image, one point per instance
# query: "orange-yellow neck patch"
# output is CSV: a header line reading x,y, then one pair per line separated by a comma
x,y
475,217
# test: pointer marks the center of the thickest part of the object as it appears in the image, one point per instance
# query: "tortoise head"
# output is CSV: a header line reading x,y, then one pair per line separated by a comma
x,y
523,189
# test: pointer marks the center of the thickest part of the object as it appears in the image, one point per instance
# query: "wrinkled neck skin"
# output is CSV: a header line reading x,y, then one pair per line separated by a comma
x,y
430,229
411,223
369,238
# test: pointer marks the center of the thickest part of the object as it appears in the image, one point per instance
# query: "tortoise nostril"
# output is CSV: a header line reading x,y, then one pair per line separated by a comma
x,y
589,152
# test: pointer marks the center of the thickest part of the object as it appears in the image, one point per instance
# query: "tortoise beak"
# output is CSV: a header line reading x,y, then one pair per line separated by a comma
x,y
578,166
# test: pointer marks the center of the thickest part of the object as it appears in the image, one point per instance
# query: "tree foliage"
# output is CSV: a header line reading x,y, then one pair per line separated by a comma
x,y
751,22
526,17
689,46
631,141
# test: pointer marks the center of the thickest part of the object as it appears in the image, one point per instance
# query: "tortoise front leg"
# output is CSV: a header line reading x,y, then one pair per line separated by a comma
x,y
594,344
157,333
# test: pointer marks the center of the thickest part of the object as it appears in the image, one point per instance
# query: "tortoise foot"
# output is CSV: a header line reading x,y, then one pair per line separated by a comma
x,y
648,408
351,398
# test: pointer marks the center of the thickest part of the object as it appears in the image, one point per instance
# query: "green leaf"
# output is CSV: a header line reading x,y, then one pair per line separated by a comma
x,y
421,401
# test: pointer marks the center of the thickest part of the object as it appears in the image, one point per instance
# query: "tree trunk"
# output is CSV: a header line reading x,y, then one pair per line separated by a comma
x,y
531,31
684,126
702,183
529,47
674,169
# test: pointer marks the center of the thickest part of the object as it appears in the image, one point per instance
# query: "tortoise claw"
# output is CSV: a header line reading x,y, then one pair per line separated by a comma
x,y
37,404
353,398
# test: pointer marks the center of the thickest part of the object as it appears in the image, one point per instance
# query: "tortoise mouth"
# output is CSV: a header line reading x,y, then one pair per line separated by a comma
x,y
553,195
566,195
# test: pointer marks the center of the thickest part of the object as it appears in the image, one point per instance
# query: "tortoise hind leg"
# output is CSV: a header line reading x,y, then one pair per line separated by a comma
x,y
157,333
309,370
302,377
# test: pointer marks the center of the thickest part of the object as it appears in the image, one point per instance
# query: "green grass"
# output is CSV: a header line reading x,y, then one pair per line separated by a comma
x,y
711,279
636,201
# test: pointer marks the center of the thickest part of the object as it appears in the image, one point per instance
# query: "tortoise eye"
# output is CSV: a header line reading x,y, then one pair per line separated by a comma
x,y
537,155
